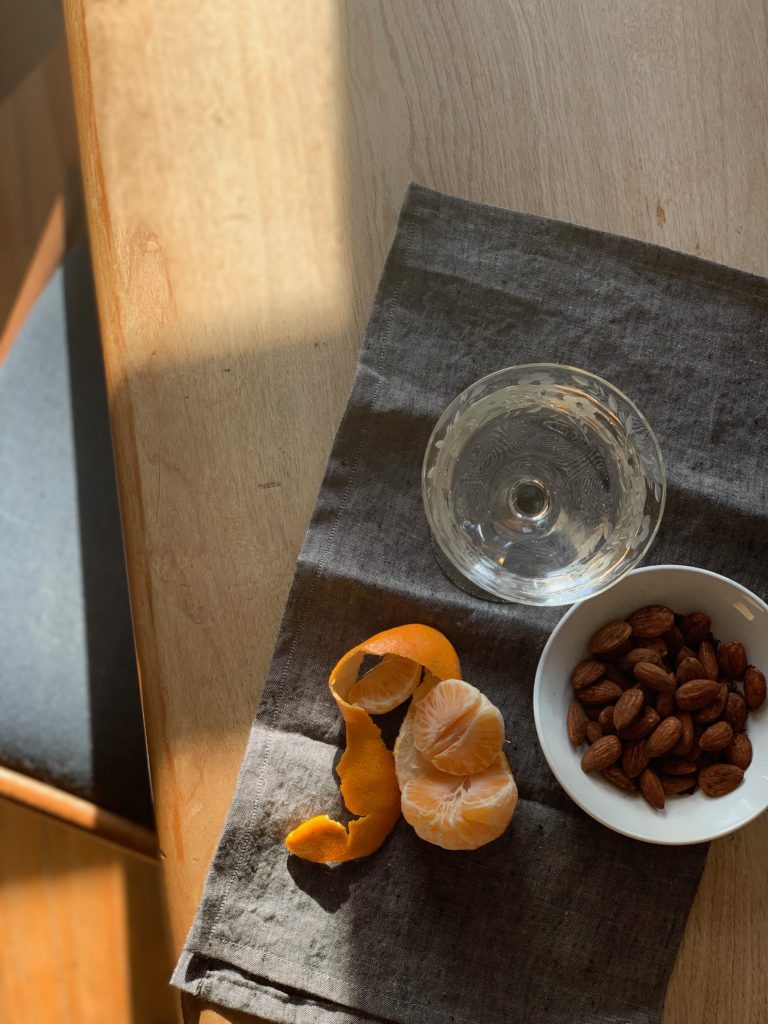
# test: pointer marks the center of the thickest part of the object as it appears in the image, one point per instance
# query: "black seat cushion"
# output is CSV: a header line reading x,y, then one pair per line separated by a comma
x,y
70,699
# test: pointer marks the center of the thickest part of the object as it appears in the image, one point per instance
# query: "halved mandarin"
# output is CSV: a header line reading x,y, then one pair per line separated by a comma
x,y
455,812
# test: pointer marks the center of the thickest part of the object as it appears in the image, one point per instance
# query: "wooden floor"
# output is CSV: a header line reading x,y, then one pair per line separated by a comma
x,y
85,939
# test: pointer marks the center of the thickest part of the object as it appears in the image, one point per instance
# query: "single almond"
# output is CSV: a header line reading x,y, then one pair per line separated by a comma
x,y
603,692
673,784
610,638
735,712
682,654
739,751
654,677
696,694
642,726
678,766
605,720
577,723
732,658
688,669
634,758
664,737
711,712
593,732
716,736
602,754
628,708
708,660
754,688
586,673
685,742
696,627
615,775
720,779
665,703
654,643
652,789
638,654
651,621
674,639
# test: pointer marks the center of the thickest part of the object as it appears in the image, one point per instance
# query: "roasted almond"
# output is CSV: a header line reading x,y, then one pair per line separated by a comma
x,y
735,712
652,789
634,758
720,779
652,620
654,677
688,669
638,654
602,754
615,775
682,654
674,639
603,692
708,714
696,694
577,723
716,736
642,726
685,742
628,708
593,732
732,658
678,766
605,720
665,703
654,643
664,737
696,627
754,688
610,638
708,659
673,784
586,673
739,751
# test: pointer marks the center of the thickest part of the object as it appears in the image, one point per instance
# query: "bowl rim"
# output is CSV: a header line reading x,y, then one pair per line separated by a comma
x,y
436,533
544,739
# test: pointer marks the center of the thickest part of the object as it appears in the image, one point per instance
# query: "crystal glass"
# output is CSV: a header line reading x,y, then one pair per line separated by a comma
x,y
543,484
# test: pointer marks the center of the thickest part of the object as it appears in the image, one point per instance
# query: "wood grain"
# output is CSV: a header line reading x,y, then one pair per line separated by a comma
x,y
84,935
40,208
73,810
244,165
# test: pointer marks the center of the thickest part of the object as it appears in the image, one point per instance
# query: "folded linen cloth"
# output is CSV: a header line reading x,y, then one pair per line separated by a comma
x,y
560,920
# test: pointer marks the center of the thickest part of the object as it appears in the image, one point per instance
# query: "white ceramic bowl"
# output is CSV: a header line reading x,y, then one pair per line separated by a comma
x,y
737,614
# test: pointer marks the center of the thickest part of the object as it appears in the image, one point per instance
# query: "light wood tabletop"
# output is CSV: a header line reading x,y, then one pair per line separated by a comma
x,y
244,163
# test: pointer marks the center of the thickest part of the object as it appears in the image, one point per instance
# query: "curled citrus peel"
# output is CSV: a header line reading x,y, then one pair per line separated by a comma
x,y
367,768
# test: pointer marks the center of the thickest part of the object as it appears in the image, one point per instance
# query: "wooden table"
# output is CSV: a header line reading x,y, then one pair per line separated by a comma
x,y
244,163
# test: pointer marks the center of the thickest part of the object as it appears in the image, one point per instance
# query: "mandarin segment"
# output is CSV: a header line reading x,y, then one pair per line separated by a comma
x,y
457,729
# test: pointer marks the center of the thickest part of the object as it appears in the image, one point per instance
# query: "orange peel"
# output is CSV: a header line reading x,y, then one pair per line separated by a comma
x,y
366,769
404,651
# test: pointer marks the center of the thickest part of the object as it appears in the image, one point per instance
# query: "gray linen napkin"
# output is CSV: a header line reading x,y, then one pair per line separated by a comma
x,y
560,920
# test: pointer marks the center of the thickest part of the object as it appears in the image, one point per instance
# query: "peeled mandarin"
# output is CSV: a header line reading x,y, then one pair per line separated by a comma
x,y
455,812
457,729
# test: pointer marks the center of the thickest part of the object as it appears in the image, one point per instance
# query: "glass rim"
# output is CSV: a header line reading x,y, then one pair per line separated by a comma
x,y
576,593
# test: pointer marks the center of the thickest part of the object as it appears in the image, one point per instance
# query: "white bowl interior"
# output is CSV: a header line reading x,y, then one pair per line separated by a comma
x,y
736,615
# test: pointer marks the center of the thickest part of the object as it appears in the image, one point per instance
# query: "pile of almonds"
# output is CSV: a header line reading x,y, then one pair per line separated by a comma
x,y
658,703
